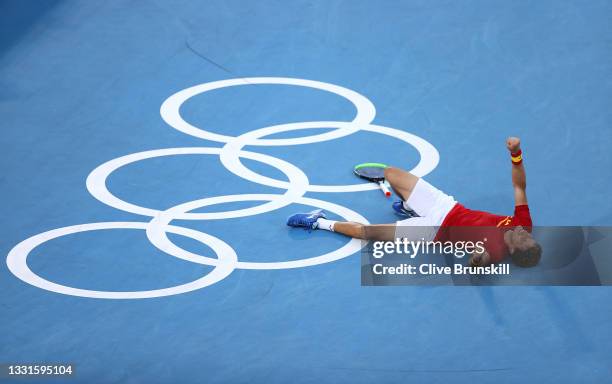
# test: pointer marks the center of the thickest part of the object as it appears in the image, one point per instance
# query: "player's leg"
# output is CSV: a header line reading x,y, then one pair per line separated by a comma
x,y
402,182
317,219
413,229
416,229
417,194
378,232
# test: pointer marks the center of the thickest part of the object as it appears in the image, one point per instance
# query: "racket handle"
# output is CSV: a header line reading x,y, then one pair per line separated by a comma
x,y
384,188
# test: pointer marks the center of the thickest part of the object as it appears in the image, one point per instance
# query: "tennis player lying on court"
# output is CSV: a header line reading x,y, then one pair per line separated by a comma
x,y
433,215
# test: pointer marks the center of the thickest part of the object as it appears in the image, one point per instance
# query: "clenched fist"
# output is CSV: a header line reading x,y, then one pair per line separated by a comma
x,y
513,144
480,259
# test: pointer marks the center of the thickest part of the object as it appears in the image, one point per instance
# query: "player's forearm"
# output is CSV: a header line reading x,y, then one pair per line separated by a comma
x,y
519,179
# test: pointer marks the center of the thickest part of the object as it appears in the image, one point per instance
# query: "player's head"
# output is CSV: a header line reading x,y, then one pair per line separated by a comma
x,y
524,250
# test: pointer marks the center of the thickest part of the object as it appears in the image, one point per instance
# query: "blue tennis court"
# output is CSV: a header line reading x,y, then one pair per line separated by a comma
x,y
217,120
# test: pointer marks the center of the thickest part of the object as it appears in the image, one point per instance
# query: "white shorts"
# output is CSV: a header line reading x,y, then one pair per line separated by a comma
x,y
432,205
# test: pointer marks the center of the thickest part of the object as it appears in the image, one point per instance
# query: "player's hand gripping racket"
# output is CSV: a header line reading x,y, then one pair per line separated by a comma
x,y
374,172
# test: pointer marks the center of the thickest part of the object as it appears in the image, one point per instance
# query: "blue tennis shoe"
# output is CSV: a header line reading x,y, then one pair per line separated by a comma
x,y
306,220
401,211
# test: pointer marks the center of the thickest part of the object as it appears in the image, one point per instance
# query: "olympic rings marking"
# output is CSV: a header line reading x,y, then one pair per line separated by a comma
x,y
96,183
170,109
230,155
429,156
17,262
158,237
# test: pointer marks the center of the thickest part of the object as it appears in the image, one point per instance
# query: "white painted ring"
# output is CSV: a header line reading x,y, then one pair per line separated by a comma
x,y
158,237
96,183
429,156
170,109
18,264
230,155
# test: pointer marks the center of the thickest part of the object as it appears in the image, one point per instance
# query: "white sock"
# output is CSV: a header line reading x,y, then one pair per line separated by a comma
x,y
406,206
325,224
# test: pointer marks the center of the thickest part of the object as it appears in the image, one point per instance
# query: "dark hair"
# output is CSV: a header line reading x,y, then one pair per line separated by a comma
x,y
529,257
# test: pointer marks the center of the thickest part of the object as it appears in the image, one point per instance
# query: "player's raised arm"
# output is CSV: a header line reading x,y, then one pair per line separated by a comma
x,y
519,179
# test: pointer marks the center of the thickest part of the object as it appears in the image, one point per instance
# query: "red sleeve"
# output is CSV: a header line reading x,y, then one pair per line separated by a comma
x,y
522,217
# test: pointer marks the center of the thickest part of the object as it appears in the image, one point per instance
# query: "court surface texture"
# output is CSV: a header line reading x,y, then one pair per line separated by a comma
x,y
94,148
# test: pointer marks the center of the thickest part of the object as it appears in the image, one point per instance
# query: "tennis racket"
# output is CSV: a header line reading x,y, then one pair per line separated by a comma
x,y
374,172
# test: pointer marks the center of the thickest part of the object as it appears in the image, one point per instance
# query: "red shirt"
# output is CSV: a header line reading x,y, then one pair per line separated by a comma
x,y
496,226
